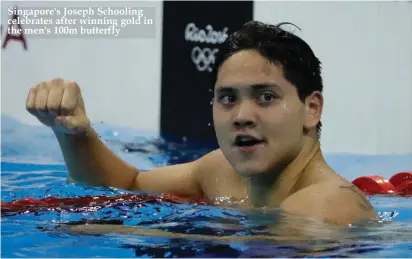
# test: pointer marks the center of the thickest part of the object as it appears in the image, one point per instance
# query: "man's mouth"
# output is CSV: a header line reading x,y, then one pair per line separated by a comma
x,y
247,141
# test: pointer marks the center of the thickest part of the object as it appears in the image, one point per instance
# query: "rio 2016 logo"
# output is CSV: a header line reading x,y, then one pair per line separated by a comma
x,y
204,57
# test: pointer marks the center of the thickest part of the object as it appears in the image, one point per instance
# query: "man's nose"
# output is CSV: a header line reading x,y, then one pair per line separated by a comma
x,y
245,116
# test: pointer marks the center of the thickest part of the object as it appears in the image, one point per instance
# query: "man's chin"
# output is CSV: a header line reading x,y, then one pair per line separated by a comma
x,y
248,169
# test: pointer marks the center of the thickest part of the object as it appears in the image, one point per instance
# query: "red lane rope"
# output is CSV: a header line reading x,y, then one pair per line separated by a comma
x,y
400,185
73,204
402,182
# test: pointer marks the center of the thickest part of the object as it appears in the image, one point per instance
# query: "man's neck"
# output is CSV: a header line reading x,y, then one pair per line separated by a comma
x,y
271,189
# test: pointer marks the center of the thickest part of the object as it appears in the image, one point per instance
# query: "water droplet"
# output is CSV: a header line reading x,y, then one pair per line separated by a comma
x,y
115,133
210,90
209,124
211,102
184,139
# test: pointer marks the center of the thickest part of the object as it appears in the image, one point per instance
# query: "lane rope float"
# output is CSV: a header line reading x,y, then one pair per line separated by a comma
x,y
399,184
89,203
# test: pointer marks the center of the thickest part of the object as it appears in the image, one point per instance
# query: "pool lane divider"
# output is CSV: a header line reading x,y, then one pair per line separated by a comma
x,y
90,203
399,184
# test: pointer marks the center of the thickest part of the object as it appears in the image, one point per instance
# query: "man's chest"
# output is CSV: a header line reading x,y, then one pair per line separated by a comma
x,y
224,186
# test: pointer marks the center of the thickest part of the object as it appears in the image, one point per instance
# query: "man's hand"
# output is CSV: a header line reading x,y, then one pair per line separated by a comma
x,y
58,104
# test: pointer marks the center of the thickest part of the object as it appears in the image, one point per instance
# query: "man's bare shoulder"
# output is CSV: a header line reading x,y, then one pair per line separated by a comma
x,y
214,160
218,178
333,201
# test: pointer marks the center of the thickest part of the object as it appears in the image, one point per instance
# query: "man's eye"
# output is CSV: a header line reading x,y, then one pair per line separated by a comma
x,y
266,97
227,99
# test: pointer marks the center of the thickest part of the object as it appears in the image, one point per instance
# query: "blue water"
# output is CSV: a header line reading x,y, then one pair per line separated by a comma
x,y
32,166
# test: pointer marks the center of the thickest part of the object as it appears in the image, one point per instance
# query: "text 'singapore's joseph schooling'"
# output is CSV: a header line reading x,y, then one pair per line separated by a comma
x,y
120,21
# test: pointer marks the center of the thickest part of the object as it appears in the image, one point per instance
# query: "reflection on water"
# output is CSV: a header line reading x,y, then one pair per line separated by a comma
x,y
229,231
291,235
284,234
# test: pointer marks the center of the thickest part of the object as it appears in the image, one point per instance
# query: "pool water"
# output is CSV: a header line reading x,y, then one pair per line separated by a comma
x,y
32,167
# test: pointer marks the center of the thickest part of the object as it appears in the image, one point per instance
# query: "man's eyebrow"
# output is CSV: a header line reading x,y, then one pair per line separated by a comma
x,y
264,86
225,89
255,87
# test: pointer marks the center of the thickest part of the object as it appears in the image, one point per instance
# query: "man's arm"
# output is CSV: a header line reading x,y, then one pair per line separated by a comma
x,y
59,105
90,161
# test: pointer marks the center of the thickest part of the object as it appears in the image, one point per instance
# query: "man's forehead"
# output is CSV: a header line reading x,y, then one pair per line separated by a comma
x,y
248,67
247,63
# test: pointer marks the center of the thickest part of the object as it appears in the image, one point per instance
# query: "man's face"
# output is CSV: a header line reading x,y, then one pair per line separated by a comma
x,y
258,117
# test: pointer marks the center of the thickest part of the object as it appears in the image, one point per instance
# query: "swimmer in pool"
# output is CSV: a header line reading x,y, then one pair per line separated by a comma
x,y
267,109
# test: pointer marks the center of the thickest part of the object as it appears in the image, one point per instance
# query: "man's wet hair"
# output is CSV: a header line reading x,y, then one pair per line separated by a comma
x,y
300,65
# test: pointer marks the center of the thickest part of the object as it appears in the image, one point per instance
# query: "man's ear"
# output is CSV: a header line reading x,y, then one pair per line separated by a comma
x,y
313,110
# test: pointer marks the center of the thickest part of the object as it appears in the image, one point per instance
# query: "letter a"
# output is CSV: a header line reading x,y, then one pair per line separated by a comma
x,y
15,37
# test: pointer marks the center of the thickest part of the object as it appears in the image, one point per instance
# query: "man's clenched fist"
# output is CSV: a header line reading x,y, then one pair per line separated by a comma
x,y
58,104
